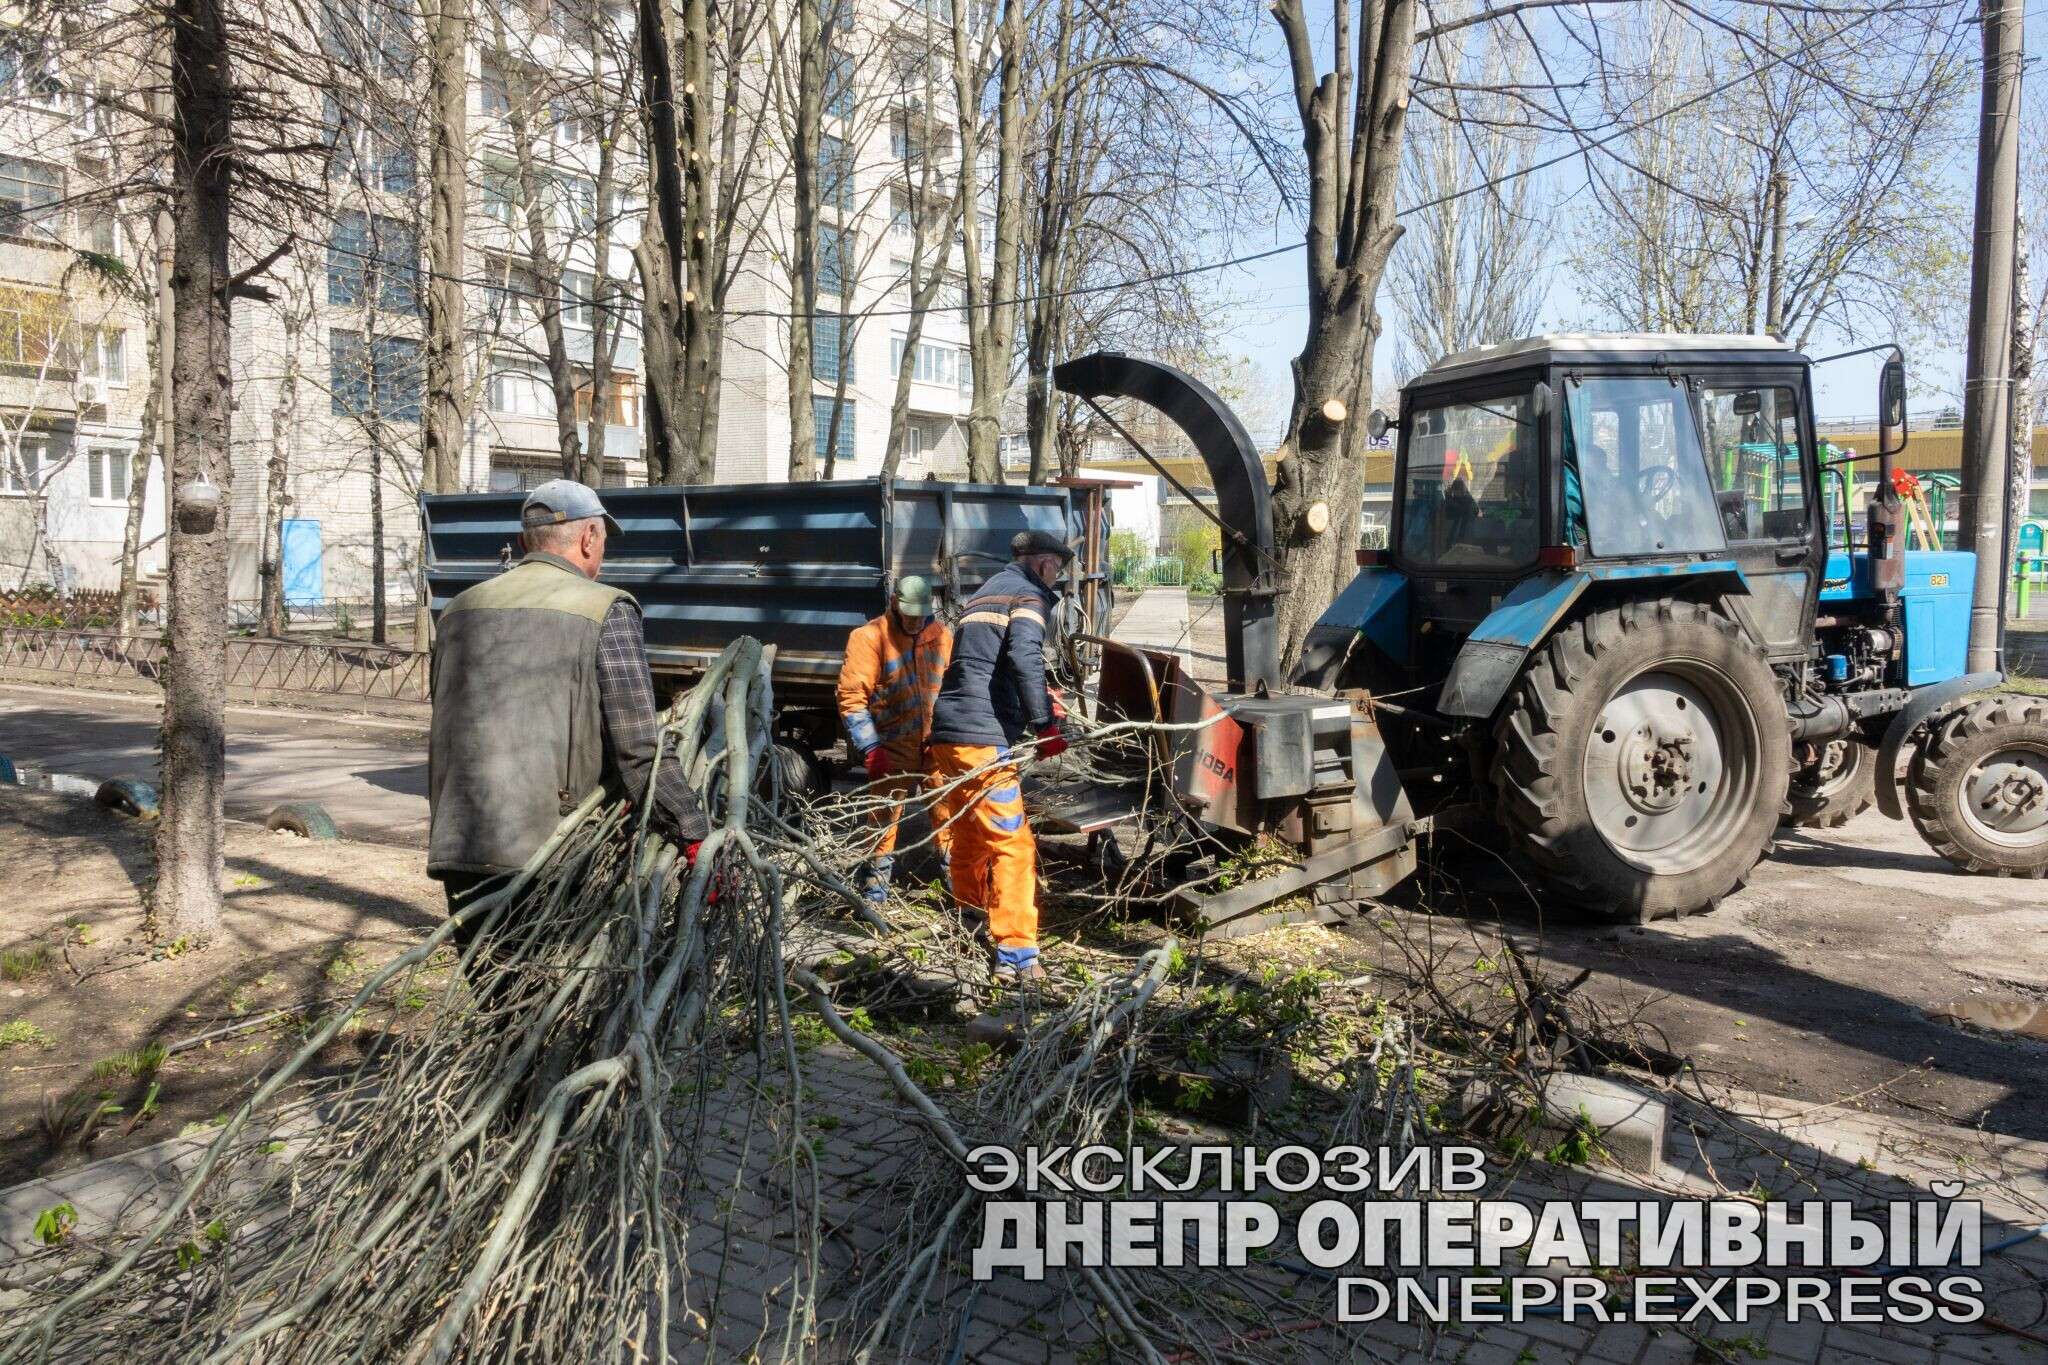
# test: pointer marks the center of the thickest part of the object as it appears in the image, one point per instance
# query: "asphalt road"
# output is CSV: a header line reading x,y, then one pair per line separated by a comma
x,y
1824,979
370,774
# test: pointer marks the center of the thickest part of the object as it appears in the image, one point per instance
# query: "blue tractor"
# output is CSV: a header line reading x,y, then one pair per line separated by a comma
x,y
1616,613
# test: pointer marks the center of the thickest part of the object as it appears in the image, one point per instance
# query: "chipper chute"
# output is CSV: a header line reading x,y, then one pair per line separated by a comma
x,y
1256,760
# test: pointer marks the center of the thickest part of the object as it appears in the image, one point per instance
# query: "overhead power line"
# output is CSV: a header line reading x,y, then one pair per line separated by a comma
x,y
1581,149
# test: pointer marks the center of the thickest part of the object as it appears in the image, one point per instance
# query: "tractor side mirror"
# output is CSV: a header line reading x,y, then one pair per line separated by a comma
x,y
1540,399
1891,407
1378,424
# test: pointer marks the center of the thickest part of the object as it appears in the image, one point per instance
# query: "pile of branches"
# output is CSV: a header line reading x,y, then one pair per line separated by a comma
x,y
509,1179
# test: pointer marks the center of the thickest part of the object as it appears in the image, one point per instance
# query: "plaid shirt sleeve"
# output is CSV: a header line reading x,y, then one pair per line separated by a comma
x,y
625,694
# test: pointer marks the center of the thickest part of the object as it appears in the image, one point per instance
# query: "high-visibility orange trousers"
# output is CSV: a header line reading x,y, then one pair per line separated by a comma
x,y
995,861
898,789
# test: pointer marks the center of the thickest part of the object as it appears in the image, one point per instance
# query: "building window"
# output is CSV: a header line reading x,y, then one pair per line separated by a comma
x,y
622,401
934,363
822,408
832,244
370,250
578,309
32,325
30,195
368,36
33,461
370,150
103,232
520,389
838,85
494,93
835,174
913,443
380,377
107,473
104,355
498,198
576,203
831,350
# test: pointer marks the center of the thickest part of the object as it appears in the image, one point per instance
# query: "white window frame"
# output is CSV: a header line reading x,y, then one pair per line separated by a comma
x,y
37,465
101,462
94,353
526,377
579,310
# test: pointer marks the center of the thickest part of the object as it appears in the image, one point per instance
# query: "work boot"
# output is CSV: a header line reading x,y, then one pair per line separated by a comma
x,y
874,886
1017,964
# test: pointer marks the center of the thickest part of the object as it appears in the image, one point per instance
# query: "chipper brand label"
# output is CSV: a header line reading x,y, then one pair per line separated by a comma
x,y
1411,1237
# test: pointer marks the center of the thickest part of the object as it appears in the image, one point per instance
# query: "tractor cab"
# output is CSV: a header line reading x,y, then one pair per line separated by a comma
x,y
1561,464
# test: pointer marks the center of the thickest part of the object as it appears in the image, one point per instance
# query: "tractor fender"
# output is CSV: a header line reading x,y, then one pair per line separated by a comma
x,y
1494,653
1373,605
1924,702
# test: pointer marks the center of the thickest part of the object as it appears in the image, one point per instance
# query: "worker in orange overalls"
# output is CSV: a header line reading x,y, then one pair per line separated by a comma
x,y
994,698
886,689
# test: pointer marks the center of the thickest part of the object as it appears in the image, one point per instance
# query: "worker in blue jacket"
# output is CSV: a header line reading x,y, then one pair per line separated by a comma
x,y
993,698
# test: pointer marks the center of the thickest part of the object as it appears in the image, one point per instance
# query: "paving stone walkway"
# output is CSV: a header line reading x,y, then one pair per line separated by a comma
x,y
744,1255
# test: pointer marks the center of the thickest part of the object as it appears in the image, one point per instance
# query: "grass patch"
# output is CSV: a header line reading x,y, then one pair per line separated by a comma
x,y
17,1032
138,1064
19,964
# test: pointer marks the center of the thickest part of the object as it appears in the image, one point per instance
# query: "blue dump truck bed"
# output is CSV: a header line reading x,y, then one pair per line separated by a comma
x,y
1936,601
797,566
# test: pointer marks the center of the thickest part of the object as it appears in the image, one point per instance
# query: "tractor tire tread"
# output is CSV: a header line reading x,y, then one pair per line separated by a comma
x,y
1529,796
1947,745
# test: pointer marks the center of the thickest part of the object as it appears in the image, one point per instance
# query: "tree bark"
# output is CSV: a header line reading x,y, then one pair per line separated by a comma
x,y
128,606
1352,149
190,836
445,419
805,152
284,423
992,322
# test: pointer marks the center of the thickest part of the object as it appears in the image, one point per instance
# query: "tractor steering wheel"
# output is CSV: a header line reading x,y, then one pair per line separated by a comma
x,y
1653,483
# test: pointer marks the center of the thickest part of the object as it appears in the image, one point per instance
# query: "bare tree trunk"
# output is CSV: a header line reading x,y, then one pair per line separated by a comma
x,y
190,835
1353,155
380,628
993,321
2020,464
805,152
284,424
444,421
129,603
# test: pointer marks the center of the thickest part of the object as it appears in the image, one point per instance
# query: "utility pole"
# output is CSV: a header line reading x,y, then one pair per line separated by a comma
x,y
1987,384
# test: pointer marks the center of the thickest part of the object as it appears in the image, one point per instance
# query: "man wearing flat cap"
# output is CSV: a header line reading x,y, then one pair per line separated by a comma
x,y
541,693
994,698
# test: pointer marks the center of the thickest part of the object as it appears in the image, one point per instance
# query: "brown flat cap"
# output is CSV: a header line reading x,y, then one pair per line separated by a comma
x,y
1039,543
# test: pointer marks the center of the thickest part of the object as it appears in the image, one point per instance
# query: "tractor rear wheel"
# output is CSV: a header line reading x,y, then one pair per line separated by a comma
x,y
1840,784
1977,788
1642,761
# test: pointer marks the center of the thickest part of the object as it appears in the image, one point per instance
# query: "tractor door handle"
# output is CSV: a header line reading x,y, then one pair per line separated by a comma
x,y
1791,554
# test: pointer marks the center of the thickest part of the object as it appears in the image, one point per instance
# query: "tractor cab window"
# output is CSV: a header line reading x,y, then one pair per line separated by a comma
x,y
1469,491
1634,481
1754,456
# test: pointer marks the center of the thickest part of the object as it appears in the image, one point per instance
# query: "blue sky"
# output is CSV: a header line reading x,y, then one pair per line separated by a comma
x,y
1263,311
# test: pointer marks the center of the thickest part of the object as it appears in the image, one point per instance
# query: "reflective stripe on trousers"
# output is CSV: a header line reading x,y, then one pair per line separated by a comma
x,y
995,861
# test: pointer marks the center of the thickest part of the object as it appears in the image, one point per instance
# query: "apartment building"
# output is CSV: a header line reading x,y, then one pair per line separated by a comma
x,y
73,342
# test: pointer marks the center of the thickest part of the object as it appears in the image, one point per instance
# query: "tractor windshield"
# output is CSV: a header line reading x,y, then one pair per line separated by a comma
x,y
1469,493
1635,482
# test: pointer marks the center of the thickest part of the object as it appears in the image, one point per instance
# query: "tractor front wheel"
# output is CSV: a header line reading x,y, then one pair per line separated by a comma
x,y
1838,785
1977,789
1641,764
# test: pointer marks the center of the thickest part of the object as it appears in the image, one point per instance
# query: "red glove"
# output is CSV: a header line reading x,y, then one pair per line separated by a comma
x,y
1051,743
1059,704
690,852
877,763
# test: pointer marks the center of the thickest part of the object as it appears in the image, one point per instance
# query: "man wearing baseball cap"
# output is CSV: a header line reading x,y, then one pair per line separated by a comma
x,y
886,689
993,698
542,692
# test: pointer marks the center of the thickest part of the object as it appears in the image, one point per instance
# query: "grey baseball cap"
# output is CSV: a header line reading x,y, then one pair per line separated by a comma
x,y
560,500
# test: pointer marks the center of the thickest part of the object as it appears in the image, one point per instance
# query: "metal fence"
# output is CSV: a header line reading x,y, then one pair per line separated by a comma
x,y
326,669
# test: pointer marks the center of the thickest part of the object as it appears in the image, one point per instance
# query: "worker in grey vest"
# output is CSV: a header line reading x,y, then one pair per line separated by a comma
x,y
542,692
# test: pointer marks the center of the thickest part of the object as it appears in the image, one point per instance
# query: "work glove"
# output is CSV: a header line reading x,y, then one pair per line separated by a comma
x,y
1059,704
876,762
1051,742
